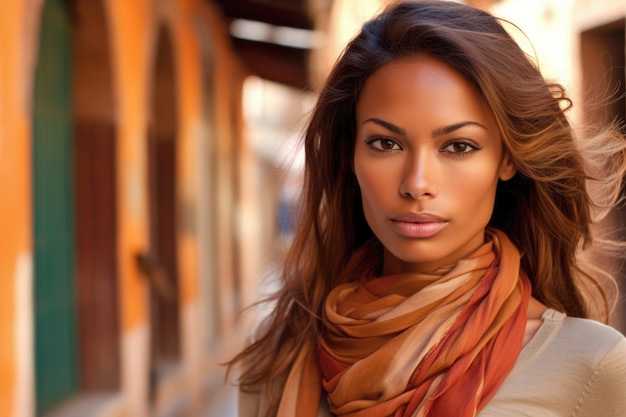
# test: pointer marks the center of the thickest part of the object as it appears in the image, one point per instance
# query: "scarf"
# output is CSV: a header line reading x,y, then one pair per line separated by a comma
x,y
413,345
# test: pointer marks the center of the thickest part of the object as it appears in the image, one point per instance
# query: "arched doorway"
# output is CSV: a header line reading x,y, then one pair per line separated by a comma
x,y
76,325
162,151
96,200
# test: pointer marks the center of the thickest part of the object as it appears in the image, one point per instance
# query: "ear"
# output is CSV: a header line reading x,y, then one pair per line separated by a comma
x,y
507,168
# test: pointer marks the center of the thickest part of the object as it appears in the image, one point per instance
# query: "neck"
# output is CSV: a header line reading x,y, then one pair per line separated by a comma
x,y
392,266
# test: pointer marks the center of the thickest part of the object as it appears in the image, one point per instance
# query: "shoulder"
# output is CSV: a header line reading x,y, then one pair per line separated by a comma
x,y
591,328
603,393
567,341
579,348
572,367
586,339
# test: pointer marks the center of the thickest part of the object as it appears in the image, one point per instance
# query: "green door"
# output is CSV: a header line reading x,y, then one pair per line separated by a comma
x,y
53,217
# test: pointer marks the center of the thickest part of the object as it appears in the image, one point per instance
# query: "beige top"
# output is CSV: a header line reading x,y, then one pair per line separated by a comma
x,y
570,368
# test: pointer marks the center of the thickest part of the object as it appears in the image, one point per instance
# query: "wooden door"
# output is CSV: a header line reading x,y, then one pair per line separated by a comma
x,y
96,251
164,304
56,368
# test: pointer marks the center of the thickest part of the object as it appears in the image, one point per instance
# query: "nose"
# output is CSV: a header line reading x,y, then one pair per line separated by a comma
x,y
419,180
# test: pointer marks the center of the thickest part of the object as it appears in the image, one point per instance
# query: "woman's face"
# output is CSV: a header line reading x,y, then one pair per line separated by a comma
x,y
427,157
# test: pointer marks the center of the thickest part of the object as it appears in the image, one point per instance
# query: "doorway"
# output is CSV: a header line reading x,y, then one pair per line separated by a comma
x,y
162,153
74,206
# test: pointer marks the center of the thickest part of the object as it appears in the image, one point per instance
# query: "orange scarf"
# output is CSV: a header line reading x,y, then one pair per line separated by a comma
x,y
415,344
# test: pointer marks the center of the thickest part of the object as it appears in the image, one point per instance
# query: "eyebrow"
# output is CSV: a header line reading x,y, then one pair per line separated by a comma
x,y
444,130
386,125
440,131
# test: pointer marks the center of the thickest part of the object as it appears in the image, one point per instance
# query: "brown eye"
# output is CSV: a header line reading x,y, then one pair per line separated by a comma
x,y
384,144
460,148
387,144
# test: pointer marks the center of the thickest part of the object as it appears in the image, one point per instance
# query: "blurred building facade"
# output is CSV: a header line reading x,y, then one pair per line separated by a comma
x,y
131,202
141,201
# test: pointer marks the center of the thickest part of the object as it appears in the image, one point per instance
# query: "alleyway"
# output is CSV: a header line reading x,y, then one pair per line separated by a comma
x,y
149,149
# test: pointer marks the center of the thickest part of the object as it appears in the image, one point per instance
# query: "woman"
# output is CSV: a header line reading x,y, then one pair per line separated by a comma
x,y
436,267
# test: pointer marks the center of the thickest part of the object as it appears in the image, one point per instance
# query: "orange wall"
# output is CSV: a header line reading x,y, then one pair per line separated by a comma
x,y
14,190
133,29
130,29
189,87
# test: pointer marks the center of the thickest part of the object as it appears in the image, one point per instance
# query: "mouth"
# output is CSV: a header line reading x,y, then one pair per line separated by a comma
x,y
418,225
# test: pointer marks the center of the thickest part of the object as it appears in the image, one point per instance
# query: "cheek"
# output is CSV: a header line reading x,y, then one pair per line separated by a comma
x,y
370,190
375,188
475,192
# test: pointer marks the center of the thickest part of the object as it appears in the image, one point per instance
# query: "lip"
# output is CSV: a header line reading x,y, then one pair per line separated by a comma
x,y
418,225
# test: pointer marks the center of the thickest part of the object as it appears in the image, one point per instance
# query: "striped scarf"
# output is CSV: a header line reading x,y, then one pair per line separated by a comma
x,y
415,344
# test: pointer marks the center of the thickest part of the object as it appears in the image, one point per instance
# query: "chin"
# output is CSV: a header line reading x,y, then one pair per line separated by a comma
x,y
415,255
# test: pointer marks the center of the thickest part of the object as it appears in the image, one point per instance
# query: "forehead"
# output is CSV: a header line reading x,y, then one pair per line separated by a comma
x,y
420,84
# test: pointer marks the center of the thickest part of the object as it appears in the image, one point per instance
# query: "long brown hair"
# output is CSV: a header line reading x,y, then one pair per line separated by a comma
x,y
545,209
